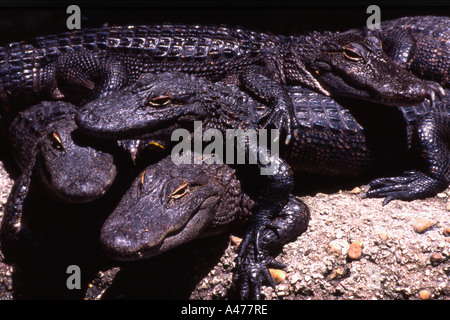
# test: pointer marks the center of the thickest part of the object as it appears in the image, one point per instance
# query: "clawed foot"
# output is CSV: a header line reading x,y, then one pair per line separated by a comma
x,y
282,120
262,241
435,90
251,275
253,271
410,186
254,263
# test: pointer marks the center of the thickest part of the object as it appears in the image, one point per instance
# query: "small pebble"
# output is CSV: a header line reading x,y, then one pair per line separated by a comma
x,y
338,273
447,206
446,232
236,240
436,258
423,224
278,275
442,195
294,278
355,250
424,294
337,247
383,235
356,190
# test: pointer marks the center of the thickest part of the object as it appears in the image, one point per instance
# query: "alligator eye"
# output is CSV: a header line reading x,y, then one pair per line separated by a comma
x,y
352,53
181,190
155,145
141,181
56,141
160,100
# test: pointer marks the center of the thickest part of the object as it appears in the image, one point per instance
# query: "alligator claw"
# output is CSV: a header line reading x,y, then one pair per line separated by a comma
x,y
259,247
435,90
253,271
252,264
411,185
282,121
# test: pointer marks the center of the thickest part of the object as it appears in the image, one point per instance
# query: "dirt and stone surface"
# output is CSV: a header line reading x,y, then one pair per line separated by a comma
x,y
354,248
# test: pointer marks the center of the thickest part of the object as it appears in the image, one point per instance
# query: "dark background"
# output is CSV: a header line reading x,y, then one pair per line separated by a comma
x,y
24,22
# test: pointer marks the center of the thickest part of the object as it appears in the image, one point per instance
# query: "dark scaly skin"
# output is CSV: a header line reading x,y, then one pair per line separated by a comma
x,y
45,136
274,188
430,137
420,44
85,64
168,205
328,140
331,142
288,225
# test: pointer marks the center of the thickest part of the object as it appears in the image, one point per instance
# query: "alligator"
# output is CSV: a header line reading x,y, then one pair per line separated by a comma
x,y
45,138
85,64
168,205
329,140
420,44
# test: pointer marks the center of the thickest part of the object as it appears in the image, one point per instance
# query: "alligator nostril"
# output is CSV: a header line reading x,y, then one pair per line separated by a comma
x,y
121,243
93,118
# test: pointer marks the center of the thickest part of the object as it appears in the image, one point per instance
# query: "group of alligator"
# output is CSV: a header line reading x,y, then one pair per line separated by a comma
x,y
70,100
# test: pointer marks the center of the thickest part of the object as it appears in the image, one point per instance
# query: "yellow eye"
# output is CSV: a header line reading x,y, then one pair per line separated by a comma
x,y
56,141
141,181
181,190
352,53
156,145
160,100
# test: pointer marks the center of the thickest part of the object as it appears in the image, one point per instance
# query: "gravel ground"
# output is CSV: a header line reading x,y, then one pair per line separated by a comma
x,y
357,249
354,249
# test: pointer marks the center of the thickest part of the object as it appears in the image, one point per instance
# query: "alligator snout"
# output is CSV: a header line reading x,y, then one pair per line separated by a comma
x,y
86,119
121,246
92,118
410,93
84,192
418,91
89,122
79,175
126,237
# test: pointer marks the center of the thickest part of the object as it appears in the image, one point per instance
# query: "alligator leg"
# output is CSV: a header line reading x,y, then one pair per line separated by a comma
x,y
272,198
291,223
12,228
432,135
276,96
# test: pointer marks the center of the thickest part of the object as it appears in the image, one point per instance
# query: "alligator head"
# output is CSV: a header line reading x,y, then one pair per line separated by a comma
x,y
346,64
160,103
168,205
45,137
153,102
73,170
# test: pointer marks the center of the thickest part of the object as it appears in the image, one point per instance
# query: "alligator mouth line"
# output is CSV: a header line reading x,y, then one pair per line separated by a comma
x,y
399,102
367,93
145,251
143,132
